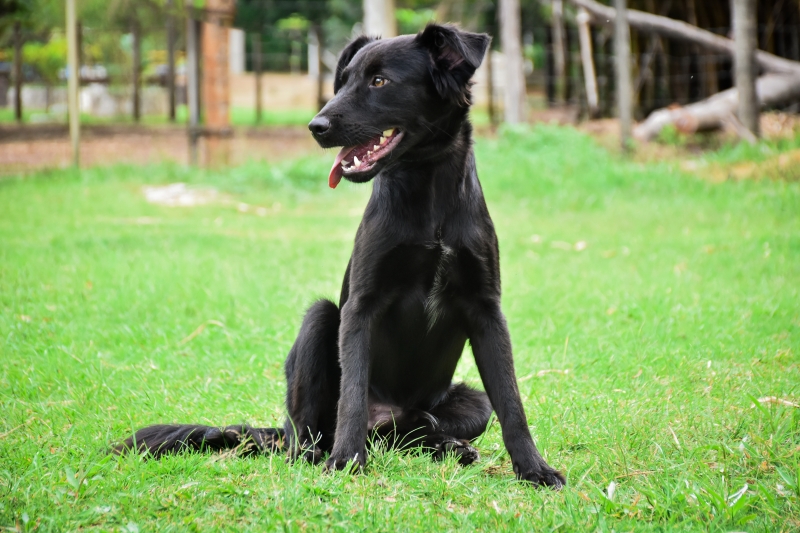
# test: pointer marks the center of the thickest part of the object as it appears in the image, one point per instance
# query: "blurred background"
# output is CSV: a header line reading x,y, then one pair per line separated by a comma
x,y
257,70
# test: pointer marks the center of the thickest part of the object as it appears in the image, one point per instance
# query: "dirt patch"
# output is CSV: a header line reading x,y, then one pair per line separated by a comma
x,y
35,147
785,166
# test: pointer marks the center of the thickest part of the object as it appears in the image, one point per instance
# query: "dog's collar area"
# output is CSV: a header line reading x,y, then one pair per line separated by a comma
x,y
361,158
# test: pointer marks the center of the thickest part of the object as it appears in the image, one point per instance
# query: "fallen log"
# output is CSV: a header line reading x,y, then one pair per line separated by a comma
x,y
719,111
679,30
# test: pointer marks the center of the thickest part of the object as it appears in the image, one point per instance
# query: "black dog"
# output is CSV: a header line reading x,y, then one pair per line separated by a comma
x,y
423,279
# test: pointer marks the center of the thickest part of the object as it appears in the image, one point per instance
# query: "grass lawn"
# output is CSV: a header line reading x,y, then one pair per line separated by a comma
x,y
650,312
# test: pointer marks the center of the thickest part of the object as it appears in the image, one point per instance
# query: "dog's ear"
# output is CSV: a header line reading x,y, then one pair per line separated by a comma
x,y
455,55
346,56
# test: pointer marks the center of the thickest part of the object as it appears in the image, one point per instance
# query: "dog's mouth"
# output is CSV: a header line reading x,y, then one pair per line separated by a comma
x,y
362,158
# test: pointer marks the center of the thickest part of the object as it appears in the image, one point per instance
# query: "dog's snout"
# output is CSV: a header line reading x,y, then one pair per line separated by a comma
x,y
319,125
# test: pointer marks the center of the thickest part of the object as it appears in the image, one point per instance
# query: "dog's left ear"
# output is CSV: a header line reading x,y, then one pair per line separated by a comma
x,y
455,56
346,56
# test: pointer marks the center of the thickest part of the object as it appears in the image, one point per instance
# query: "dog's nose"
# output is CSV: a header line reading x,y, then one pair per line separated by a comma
x,y
319,125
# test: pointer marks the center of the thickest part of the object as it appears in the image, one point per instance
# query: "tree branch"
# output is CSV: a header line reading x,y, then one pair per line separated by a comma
x,y
679,30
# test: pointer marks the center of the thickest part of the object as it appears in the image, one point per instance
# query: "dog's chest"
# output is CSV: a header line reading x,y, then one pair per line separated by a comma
x,y
444,277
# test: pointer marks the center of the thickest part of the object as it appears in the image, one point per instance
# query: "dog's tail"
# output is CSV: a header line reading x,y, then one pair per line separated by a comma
x,y
164,439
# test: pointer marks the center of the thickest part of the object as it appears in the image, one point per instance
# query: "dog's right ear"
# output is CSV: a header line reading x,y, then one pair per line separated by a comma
x,y
346,56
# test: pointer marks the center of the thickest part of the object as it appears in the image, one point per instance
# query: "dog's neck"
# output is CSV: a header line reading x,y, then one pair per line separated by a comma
x,y
426,190
439,167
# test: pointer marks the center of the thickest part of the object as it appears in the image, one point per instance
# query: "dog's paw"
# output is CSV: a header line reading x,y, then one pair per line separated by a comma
x,y
306,452
464,453
354,463
267,440
544,477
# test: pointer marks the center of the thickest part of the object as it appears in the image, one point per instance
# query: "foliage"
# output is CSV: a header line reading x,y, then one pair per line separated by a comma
x,y
654,318
410,21
47,58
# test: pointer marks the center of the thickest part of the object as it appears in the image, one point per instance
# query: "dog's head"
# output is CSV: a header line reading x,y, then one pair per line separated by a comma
x,y
396,97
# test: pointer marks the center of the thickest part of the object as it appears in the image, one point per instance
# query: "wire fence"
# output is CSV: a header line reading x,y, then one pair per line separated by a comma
x,y
665,71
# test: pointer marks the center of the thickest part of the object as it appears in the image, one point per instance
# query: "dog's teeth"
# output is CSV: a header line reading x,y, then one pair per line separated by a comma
x,y
376,147
356,161
383,140
388,133
369,153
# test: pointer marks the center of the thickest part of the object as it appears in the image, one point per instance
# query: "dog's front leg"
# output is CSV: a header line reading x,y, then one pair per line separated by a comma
x,y
491,345
351,423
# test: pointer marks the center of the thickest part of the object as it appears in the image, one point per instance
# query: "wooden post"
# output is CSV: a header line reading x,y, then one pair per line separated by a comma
x,y
317,40
193,85
558,51
622,51
79,33
744,34
216,81
18,72
589,77
137,68
490,88
379,18
171,59
72,81
512,50
256,39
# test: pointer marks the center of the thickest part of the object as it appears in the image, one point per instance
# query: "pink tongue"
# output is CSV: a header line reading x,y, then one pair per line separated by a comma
x,y
336,170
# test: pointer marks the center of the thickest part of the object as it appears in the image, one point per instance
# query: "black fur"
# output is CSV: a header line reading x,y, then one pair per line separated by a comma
x,y
423,279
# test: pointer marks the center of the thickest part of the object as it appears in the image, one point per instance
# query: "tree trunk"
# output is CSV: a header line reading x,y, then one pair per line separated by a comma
x,y
316,29
589,77
379,19
558,51
744,31
490,88
718,111
676,29
622,52
18,72
510,38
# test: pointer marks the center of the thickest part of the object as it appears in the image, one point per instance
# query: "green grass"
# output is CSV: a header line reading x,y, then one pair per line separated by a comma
x,y
641,355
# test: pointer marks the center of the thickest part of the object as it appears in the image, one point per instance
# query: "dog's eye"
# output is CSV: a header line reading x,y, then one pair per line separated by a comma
x,y
379,81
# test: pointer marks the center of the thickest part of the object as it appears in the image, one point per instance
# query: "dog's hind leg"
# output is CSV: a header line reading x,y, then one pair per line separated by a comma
x,y
446,428
164,439
312,380
461,417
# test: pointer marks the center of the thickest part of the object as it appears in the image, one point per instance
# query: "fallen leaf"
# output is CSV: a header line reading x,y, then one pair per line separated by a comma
x,y
777,401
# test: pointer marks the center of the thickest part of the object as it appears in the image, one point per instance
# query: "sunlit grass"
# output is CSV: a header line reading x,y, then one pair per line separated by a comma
x,y
650,311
